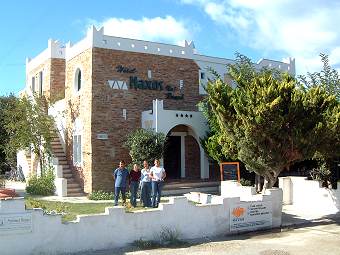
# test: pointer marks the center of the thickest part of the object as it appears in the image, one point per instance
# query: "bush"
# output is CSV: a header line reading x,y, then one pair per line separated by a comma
x,y
245,182
2,181
41,185
321,173
167,238
101,195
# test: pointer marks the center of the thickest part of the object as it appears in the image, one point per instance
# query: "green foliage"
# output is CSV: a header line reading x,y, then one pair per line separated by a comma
x,y
101,195
167,238
145,145
69,211
6,103
41,185
328,78
146,244
245,182
28,126
2,181
321,173
269,121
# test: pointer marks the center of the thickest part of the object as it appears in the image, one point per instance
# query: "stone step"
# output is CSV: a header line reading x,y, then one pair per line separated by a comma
x,y
72,185
182,191
79,194
74,190
70,175
67,171
58,150
183,185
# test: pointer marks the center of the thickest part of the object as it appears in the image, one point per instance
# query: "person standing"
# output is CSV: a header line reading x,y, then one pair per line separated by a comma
x,y
157,176
134,183
146,185
120,176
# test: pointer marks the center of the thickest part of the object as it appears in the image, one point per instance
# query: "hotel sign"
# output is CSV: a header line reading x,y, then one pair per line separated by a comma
x,y
136,83
251,216
15,223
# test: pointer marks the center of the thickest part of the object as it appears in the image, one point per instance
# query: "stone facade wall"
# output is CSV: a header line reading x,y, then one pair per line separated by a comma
x,y
192,158
108,104
79,105
57,79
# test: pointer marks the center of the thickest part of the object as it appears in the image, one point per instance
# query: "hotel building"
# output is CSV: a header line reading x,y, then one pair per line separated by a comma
x,y
104,87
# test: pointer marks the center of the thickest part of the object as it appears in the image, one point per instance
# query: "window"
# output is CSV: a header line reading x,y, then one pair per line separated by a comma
x,y
149,74
77,80
33,84
202,76
77,150
40,83
77,147
181,84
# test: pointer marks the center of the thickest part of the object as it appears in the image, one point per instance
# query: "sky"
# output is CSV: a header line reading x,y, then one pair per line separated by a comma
x,y
256,28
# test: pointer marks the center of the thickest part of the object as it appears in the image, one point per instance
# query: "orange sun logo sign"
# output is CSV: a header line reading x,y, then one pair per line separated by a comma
x,y
238,211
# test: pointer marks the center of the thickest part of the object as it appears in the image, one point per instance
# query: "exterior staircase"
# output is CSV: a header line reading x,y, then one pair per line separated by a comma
x,y
73,188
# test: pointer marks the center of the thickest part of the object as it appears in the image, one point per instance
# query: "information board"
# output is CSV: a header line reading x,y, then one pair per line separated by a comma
x,y
251,216
230,171
14,223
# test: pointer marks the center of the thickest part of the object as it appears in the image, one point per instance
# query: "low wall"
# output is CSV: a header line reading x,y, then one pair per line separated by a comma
x,y
309,195
31,232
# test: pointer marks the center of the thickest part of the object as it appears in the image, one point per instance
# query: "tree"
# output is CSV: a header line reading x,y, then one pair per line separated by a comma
x,y
145,144
29,127
269,122
328,78
6,102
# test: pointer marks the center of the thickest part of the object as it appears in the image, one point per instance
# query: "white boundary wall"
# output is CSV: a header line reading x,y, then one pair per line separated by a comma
x,y
309,195
116,228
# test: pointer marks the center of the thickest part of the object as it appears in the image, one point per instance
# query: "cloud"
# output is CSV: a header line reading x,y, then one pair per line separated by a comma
x,y
159,29
301,29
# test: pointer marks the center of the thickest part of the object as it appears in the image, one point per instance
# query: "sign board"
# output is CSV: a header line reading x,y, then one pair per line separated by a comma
x,y
15,223
251,216
230,171
102,136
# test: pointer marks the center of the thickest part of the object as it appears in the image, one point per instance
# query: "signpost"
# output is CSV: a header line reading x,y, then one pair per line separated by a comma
x,y
230,171
249,217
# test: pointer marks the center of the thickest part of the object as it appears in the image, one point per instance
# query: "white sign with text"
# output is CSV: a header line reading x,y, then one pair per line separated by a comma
x,y
15,223
253,216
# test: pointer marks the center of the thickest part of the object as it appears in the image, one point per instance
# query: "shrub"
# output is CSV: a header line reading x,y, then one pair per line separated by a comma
x,y
2,182
245,182
170,238
321,173
41,185
101,195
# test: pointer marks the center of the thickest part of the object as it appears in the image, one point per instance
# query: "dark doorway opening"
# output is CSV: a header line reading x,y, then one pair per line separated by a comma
x,y
172,157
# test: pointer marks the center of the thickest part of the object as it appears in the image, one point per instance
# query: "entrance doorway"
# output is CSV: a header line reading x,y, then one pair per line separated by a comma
x,y
172,157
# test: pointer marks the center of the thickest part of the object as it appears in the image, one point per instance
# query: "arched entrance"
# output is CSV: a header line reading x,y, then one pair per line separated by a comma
x,y
182,154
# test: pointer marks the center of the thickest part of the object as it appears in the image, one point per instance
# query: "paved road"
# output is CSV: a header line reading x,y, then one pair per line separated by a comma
x,y
318,240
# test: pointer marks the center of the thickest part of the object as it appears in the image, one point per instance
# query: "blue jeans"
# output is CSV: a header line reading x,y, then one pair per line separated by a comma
x,y
133,193
146,194
121,190
156,192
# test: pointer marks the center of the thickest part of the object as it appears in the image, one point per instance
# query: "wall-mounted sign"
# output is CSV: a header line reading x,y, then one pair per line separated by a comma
x,y
251,216
102,136
124,69
171,93
15,223
136,83
115,84
230,171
